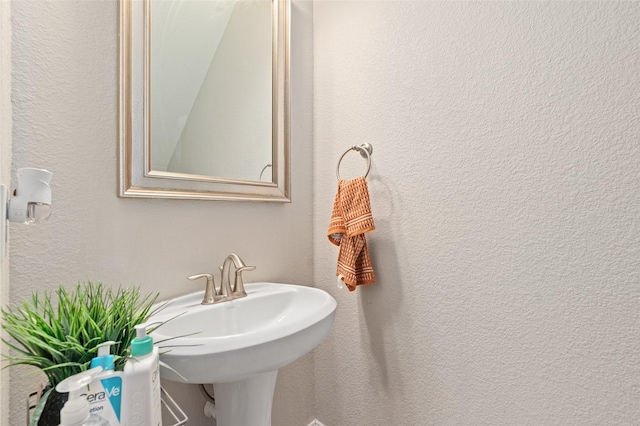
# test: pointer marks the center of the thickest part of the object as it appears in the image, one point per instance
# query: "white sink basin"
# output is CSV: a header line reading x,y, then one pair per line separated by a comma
x,y
233,341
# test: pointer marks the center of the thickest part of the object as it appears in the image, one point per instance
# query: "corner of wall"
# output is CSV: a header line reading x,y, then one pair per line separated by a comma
x,y
5,171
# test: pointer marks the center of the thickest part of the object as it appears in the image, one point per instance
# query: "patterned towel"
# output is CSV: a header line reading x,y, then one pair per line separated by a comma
x,y
350,219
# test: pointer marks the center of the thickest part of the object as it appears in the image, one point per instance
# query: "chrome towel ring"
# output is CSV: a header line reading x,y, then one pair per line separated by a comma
x,y
365,150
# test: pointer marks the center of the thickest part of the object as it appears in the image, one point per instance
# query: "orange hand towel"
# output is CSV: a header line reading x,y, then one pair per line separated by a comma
x,y
350,219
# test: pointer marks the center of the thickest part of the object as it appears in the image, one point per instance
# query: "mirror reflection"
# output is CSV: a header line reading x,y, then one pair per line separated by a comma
x,y
211,84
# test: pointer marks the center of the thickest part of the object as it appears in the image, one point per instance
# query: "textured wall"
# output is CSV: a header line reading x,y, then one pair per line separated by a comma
x,y
65,120
5,167
505,192
504,188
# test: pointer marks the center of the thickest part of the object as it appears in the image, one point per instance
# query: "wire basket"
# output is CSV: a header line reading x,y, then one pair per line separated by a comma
x,y
170,409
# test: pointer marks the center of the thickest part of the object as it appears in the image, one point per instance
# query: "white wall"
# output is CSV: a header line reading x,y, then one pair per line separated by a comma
x,y
5,167
65,120
505,190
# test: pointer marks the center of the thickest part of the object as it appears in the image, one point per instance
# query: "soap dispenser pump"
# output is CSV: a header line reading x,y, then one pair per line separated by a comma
x,y
104,358
76,410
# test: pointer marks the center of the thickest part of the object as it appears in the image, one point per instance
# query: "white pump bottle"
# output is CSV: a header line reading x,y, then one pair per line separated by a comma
x,y
76,410
141,402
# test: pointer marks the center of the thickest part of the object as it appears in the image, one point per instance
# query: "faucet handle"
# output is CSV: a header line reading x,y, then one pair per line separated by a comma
x,y
238,285
210,294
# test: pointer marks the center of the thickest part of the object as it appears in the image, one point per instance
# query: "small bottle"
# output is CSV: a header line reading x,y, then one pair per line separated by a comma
x,y
105,392
76,410
141,387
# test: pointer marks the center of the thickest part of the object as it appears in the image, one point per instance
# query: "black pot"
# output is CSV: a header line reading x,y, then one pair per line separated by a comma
x,y
50,415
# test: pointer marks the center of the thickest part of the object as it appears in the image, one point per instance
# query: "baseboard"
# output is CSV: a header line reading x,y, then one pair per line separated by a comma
x,y
315,422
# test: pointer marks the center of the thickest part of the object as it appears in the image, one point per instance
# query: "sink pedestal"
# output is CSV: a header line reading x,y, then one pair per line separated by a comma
x,y
245,402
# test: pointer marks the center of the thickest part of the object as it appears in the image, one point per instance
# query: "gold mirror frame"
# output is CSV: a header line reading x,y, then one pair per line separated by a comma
x,y
136,179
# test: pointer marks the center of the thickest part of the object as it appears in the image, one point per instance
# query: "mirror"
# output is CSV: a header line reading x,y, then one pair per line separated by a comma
x,y
204,99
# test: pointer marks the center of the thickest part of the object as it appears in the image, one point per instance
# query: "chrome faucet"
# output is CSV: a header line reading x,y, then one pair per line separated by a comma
x,y
238,284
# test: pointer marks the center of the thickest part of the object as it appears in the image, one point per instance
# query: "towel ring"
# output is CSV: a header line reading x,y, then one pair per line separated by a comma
x,y
365,150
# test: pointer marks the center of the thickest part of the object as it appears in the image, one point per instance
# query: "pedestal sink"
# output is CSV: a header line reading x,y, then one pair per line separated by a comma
x,y
240,345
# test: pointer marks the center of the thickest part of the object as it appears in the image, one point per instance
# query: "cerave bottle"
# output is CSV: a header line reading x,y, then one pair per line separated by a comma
x,y
141,383
76,410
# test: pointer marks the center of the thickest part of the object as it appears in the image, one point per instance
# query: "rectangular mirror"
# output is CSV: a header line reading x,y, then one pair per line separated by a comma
x,y
204,99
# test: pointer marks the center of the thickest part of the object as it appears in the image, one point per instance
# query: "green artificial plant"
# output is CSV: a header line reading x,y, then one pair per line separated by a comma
x,y
58,332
